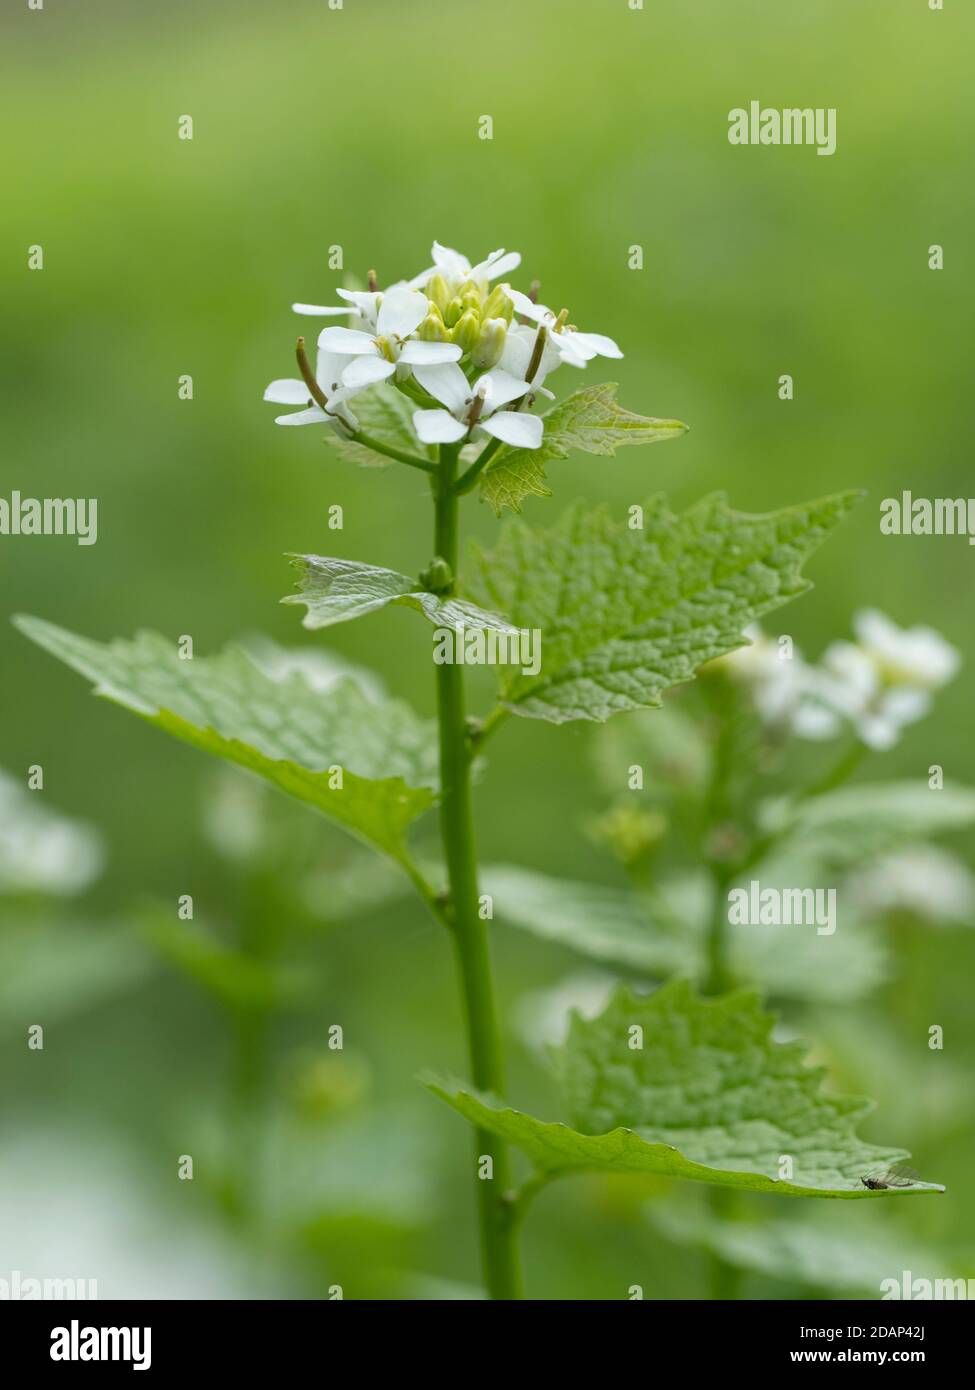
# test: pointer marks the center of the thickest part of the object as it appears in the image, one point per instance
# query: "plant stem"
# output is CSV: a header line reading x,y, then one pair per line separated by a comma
x,y
368,442
499,1240
839,773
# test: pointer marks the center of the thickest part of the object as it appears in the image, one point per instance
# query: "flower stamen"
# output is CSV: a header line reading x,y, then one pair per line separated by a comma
x,y
308,376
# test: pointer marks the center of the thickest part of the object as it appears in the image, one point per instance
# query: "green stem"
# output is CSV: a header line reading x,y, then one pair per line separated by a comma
x,y
251,1061
488,726
499,1240
368,442
719,977
839,773
724,1279
718,811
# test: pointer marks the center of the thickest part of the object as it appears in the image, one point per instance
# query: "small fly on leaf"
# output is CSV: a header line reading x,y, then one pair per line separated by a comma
x,y
897,1175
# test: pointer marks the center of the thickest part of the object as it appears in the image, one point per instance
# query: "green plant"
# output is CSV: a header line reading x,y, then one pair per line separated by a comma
x,y
598,615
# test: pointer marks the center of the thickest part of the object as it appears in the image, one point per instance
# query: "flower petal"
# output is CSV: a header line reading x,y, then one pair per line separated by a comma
x,y
347,340
287,391
598,344
540,313
329,367
437,427
496,264
321,309
420,280
445,382
364,302
575,354
520,431
312,416
499,388
364,371
416,350
450,263
401,312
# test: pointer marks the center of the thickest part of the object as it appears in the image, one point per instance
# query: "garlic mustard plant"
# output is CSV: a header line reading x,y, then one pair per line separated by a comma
x,y
450,372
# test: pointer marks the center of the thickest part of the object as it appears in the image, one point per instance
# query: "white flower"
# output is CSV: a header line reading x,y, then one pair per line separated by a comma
x,y
40,850
920,879
544,1015
457,269
329,367
448,384
364,304
573,347
519,348
884,681
916,656
376,355
781,687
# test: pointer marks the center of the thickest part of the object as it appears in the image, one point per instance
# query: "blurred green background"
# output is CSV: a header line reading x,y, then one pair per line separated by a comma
x,y
358,127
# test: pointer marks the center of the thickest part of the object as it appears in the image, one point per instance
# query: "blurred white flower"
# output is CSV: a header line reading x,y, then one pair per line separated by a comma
x,y
879,683
40,850
914,656
782,687
448,384
232,814
884,680
542,1017
921,879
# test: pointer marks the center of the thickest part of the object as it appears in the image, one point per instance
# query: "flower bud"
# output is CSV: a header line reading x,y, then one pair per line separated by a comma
x,y
490,344
438,577
499,305
452,312
466,331
438,291
432,329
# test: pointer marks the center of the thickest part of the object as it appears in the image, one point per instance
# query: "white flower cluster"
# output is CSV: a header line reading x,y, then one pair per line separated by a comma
x,y
458,347
42,851
878,684
923,880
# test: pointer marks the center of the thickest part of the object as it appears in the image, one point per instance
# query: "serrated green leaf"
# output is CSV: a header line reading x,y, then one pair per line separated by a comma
x,y
850,824
387,415
709,1097
591,420
281,729
666,934
335,591
626,613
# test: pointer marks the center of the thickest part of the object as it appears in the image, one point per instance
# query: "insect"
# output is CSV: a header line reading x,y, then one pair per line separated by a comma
x,y
897,1175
